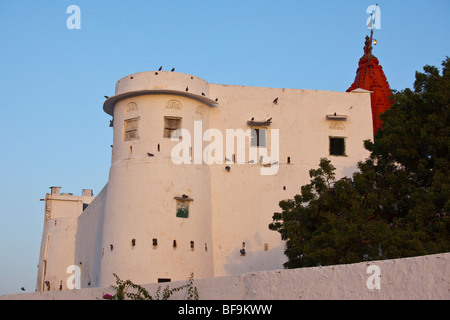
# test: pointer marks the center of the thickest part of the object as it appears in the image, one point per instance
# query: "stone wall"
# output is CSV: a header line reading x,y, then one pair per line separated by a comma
x,y
418,278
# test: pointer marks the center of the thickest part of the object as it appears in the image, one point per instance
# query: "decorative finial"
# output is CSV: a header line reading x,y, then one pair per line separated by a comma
x,y
368,46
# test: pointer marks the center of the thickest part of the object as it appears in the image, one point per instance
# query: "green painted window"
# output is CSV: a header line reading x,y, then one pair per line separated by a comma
x,y
182,209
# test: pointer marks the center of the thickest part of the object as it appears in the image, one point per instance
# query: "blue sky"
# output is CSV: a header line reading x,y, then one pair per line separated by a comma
x,y
53,79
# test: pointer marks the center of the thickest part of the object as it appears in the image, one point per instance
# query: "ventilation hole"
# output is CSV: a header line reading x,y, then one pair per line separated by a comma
x,y
131,149
206,247
289,160
111,247
284,187
155,242
174,243
266,246
133,242
192,245
131,77
159,149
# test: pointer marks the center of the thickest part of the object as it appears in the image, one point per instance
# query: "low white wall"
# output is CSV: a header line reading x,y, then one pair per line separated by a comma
x,y
424,277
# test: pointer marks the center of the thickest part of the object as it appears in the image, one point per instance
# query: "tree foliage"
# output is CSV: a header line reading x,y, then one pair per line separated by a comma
x,y
138,292
397,204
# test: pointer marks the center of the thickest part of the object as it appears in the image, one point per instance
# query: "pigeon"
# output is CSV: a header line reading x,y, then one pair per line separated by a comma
x,y
217,99
173,69
253,118
184,196
335,113
150,154
270,119
187,88
227,168
242,251
23,289
160,68
203,93
106,97
275,101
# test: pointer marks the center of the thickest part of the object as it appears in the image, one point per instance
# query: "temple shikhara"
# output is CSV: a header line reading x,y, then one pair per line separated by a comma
x,y
370,76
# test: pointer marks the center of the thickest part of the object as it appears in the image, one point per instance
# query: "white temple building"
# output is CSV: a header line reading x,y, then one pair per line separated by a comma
x,y
197,172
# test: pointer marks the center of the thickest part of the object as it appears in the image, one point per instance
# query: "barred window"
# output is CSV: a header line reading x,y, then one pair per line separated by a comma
x,y
170,125
258,137
337,146
131,129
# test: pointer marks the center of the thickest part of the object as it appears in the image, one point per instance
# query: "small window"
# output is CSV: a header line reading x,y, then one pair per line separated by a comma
x,y
170,125
258,137
131,129
182,209
337,146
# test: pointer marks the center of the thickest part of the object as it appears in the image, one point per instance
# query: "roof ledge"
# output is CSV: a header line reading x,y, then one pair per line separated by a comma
x,y
108,105
361,90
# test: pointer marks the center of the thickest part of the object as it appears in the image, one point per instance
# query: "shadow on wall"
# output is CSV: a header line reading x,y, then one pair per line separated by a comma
x,y
255,255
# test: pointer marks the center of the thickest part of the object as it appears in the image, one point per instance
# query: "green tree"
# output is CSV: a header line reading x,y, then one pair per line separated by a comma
x,y
397,204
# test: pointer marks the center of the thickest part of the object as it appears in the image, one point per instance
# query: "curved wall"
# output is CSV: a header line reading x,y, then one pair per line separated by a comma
x,y
143,238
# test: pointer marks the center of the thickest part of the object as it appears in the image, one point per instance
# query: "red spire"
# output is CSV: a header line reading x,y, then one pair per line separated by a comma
x,y
370,76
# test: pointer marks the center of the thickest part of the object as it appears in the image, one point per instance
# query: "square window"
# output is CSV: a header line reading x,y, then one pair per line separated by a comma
x,y
170,125
182,209
258,137
337,146
130,129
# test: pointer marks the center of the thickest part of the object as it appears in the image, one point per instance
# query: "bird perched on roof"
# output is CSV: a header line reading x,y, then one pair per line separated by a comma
x,y
269,120
150,154
184,196
160,68
173,69
217,99
275,101
187,88
253,118
106,97
203,93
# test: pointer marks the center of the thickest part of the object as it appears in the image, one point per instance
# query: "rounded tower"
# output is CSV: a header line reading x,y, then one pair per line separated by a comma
x,y
157,223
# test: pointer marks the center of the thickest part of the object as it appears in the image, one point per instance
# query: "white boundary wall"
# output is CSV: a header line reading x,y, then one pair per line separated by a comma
x,y
419,278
